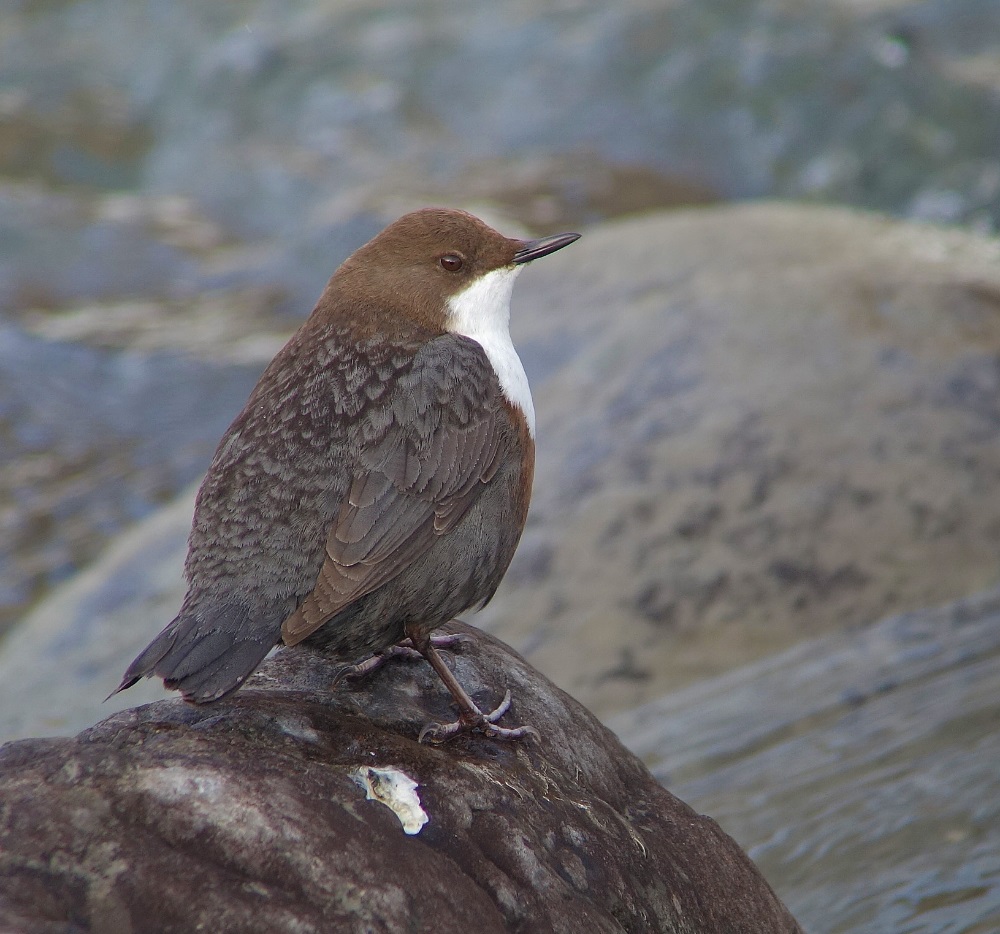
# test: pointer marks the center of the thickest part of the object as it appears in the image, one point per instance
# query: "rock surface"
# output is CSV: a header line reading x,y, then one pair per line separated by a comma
x,y
248,816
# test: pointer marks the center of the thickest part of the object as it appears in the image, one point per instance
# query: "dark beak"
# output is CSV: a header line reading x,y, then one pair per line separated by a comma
x,y
532,249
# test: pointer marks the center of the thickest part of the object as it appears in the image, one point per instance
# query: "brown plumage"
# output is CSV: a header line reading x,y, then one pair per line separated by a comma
x,y
377,481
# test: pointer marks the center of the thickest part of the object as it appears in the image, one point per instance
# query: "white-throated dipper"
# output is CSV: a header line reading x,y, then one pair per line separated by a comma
x,y
377,481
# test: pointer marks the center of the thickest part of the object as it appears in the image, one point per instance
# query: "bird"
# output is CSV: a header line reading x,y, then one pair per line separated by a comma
x,y
377,481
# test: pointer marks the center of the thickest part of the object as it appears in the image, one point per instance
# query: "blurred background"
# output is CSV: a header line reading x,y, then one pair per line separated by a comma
x,y
179,179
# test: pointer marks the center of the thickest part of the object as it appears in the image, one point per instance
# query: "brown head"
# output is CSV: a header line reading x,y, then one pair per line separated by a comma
x,y
421,262
436,271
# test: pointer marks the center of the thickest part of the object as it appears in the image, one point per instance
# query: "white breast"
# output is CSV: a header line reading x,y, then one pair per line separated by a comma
x,y
482,312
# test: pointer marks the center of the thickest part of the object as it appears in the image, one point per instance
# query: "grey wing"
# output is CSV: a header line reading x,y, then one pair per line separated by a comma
x,y
416,474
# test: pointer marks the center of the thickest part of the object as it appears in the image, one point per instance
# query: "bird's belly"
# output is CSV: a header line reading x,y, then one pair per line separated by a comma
x,y
461,570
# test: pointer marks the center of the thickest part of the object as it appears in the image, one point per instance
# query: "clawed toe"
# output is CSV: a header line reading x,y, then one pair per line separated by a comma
x,y
402,649
446,640
485,723
503,707
515,732
423,645
371,664
503,732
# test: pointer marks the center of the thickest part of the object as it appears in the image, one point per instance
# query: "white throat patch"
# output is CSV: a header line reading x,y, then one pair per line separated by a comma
x,y
482,312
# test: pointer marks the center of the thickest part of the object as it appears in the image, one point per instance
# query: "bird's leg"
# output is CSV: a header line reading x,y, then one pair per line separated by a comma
x,y
470,716
402,649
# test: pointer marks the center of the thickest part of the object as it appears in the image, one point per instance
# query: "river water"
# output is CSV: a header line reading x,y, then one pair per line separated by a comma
x,y
861,771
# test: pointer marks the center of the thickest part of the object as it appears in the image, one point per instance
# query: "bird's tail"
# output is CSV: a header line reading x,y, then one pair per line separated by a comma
x,y
205,654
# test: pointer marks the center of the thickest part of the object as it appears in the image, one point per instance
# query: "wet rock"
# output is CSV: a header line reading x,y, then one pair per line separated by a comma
x,y
252,815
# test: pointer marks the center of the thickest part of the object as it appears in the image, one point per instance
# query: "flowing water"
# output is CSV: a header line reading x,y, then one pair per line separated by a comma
x,y
860,771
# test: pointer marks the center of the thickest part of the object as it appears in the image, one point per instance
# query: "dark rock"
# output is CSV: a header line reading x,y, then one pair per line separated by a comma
x,y
248,816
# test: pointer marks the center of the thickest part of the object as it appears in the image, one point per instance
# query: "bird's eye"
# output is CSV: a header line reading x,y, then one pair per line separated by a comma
x,y
451,262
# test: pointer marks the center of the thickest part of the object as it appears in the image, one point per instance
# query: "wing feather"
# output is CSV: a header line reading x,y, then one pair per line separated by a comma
x,y
415,477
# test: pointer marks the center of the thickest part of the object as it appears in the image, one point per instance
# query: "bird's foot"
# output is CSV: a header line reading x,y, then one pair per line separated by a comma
x,y
402,649
475,719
